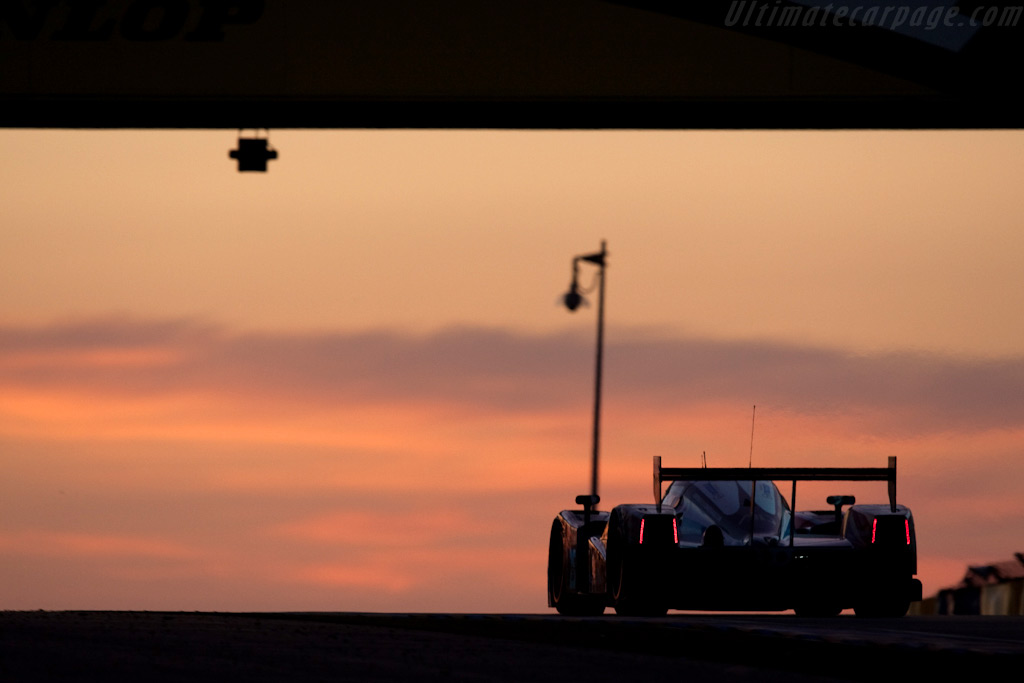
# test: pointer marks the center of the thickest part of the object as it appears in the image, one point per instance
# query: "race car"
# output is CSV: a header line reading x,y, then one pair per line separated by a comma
x,y
727,539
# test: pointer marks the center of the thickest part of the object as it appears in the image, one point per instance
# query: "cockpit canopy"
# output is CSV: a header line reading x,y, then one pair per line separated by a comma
x,y
728,505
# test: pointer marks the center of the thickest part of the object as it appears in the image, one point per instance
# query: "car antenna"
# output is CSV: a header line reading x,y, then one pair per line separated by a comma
x,y
704,455
750,463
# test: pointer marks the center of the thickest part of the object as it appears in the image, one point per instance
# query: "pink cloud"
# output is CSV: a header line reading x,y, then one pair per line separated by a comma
x,y
324,462
465,369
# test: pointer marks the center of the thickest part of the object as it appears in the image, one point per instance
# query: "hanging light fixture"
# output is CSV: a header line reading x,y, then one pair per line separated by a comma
x,y
253,153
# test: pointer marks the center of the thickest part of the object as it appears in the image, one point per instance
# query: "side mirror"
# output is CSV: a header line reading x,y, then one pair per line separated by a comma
x,y
588,503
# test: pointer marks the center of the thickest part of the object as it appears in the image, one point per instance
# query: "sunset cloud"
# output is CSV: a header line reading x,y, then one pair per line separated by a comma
x,y
436,403
466,369
347,462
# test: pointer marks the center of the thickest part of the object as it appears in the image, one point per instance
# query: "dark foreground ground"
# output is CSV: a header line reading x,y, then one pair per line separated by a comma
x,y
178,646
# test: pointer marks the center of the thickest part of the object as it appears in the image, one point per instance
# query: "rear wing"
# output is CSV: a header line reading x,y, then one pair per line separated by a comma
x,y
793,474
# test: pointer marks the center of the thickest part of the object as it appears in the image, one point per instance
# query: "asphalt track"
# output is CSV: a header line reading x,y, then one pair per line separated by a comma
x,y
193,646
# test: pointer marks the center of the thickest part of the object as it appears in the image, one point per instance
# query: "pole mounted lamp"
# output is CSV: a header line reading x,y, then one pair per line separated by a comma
x,y
572,300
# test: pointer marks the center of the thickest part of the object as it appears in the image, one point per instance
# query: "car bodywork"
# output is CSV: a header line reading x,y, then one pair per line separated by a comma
x,y
727,539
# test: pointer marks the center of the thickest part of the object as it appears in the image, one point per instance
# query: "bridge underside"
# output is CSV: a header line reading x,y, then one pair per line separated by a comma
x,y
476,64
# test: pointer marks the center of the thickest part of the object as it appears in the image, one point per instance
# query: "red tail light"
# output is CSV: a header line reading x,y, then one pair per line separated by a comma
x,y
660,530
874,530
889,534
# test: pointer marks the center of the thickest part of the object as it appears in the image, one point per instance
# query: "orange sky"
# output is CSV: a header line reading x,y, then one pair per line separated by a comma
x,y
345,384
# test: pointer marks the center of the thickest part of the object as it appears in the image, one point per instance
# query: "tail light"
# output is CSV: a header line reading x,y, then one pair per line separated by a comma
x,y
889,531
659,528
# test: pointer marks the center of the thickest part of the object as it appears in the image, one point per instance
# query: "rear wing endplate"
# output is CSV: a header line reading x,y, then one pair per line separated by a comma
x,y
793,474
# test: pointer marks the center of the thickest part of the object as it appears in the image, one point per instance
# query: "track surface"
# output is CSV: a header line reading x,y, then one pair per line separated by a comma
x,y
179,646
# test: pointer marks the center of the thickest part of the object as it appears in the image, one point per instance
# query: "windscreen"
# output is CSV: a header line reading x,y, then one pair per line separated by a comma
x,y
728,505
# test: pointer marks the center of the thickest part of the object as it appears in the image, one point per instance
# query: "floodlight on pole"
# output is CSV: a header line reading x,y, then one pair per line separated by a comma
x,y
572,300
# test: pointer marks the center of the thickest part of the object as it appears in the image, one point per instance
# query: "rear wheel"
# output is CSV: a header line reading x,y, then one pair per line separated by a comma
x,y
629,586
560,595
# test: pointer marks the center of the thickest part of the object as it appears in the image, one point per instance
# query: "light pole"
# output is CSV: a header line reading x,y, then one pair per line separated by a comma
x,y
572,300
